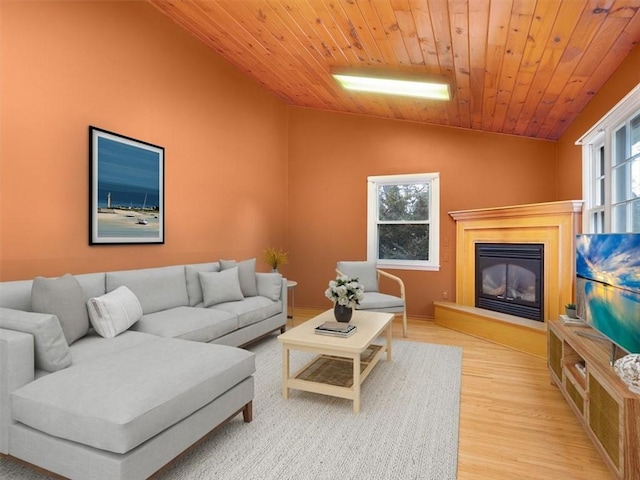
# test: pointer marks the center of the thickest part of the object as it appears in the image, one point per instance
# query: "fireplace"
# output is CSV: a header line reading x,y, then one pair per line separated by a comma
x,y
552,224
509,278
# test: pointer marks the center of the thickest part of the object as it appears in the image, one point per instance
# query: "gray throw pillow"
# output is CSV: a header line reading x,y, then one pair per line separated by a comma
x,y
269,285
220,287
52,352
194,289
246,273
64,298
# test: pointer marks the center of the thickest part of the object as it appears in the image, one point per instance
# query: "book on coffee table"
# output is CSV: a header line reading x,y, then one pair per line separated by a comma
x,y
336,334
335,328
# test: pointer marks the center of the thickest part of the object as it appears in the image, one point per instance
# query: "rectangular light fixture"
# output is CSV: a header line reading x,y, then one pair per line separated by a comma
x,y
435,90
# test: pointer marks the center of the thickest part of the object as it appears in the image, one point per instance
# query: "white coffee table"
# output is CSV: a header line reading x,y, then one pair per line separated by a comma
x,y
342,364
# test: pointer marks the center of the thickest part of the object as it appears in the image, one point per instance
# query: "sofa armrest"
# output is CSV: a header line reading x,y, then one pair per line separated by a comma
x,y
284,291
274,287
17,356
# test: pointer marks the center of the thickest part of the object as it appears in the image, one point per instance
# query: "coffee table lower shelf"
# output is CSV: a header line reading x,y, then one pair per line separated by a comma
x,y
334,375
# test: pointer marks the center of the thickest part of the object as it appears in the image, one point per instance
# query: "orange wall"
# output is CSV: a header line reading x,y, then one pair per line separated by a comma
x,y
330,157
243,171
124,67
621,82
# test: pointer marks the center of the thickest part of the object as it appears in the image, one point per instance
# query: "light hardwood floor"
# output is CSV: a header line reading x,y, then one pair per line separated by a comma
x,y
514,424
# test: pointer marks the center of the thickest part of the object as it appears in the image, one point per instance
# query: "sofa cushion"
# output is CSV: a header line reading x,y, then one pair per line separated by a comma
x,y
246,273
194,289
93,345
156,288
375,300
114,312
219,287
51,349
120,400
269,285
64,298
251,310
188,323
16,295
93,284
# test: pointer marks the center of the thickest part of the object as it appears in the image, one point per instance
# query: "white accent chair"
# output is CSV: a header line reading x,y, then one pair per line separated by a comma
x,y
373,300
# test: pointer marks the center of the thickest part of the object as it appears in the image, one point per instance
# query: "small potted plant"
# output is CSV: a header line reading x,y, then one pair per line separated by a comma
x,y
275,258
570,310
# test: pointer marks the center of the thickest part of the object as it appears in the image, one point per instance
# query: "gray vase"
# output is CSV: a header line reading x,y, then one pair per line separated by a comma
x,y
342,313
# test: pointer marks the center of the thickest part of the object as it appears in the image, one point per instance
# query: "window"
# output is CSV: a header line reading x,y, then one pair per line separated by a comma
x,y
611,170
403,222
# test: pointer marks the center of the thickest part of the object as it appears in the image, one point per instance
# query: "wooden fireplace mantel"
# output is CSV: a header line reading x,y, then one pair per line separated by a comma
x,y
569,207
553,224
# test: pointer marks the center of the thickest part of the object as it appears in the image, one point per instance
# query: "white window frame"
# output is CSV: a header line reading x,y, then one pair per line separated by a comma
x,y
373,183
603,133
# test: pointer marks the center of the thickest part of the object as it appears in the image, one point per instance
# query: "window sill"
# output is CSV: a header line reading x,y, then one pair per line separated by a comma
x,y
407,266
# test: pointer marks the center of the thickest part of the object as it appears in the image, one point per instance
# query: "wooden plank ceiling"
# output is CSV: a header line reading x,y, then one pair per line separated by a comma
x,y
523,67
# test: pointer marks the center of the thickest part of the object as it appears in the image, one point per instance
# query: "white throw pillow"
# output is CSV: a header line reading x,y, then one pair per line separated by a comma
x,y
114,312
220,287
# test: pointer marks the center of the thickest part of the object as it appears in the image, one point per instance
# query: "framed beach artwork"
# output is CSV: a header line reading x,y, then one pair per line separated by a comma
x,y
126,190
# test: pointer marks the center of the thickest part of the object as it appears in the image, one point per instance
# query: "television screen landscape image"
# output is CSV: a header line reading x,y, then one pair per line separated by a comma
x,y
608,286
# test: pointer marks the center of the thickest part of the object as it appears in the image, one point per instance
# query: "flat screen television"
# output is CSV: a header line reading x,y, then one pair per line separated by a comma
x,y
608,286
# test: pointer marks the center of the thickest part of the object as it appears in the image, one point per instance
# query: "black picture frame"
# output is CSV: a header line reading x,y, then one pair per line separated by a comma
x,y
126,190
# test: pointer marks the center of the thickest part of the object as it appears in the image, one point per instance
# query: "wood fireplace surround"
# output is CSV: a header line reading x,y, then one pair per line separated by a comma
x,y
553,224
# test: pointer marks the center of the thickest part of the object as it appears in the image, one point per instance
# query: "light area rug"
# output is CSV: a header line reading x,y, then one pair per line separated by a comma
x,y
407,427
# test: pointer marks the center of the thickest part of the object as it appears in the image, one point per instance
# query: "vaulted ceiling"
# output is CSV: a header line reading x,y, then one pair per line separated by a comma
x,y
523,67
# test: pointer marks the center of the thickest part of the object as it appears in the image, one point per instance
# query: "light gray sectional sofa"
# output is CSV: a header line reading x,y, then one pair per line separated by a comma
x,y
123,405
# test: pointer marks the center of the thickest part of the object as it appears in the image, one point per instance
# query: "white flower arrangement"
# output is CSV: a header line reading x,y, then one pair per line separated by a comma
x,y
345,291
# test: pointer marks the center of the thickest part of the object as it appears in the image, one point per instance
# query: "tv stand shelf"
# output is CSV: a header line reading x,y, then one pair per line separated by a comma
x,y
610,414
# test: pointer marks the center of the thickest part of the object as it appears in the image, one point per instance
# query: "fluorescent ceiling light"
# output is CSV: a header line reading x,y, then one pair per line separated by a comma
x,y
407,88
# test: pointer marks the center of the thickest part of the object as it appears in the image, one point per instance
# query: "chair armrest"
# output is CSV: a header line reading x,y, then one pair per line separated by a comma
x,y
398,280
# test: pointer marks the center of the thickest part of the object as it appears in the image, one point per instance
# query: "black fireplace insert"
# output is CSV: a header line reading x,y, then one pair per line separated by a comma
x,y
509,278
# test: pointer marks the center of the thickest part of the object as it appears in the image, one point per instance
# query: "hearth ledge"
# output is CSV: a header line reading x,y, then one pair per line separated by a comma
x,y
521,334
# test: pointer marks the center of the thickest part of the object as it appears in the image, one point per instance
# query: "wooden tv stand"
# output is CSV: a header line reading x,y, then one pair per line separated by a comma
x,y
608,411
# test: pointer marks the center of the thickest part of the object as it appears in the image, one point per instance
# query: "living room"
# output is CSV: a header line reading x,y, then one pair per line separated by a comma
x,y
243,170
